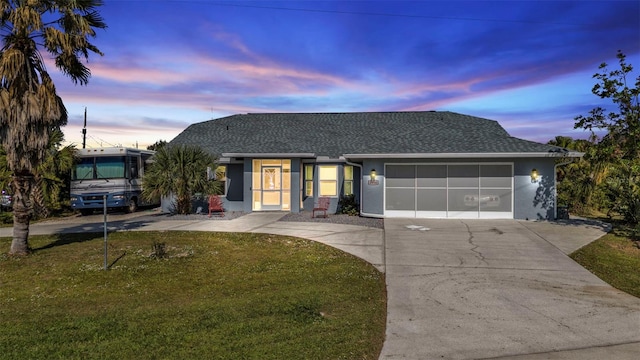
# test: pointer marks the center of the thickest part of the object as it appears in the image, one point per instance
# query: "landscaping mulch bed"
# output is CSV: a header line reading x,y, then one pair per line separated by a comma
x,y
228,215
335,219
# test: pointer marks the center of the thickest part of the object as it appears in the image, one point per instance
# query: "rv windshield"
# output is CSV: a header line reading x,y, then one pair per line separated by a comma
x,y
102,167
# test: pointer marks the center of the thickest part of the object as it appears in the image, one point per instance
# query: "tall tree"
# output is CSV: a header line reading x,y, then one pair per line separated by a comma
x,y
30,108
157,145
579,182
180,171
620,146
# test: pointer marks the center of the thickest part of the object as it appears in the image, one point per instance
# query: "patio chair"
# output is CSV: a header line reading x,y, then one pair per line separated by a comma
x,y
322,206
215,205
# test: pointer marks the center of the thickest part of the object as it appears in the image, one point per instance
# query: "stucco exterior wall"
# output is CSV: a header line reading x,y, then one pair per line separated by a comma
x,y
235,188
532,200
373,194
246,194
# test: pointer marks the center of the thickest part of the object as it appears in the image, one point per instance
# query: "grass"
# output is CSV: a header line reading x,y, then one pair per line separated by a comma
x,y
614,258
213,295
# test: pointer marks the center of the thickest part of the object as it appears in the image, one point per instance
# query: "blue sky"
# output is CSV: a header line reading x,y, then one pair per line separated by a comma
x,y
168,64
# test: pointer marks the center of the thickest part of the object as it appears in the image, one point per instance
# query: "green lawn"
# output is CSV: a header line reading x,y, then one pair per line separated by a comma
x,y
216,296
615,259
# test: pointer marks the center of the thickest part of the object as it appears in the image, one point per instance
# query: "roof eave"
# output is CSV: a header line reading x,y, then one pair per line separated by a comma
x,y
568,154
269,155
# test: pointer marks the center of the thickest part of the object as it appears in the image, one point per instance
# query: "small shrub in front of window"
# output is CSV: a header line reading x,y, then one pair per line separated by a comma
x,y
348,205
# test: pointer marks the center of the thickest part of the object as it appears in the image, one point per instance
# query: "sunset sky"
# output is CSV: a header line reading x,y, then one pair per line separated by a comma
x,y
168,64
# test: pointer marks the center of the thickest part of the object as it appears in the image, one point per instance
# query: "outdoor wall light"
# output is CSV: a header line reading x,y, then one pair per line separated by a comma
x,y
373,174
534,175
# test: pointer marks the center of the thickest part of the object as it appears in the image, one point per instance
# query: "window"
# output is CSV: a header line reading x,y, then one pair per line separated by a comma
x,y
110,167
84,169
133,167
348,180
328,180
308,180
221,176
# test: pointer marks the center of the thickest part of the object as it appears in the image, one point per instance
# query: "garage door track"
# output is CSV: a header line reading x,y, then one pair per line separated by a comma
x,y
477,289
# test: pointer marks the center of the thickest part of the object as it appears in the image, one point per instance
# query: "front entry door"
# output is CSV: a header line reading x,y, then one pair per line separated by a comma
x,y
271,185
271,188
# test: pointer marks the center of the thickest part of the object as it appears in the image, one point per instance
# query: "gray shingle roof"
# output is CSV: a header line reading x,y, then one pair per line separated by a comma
x,y
335,134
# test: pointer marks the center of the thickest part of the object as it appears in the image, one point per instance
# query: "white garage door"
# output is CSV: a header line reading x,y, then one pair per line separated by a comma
x,y
465,191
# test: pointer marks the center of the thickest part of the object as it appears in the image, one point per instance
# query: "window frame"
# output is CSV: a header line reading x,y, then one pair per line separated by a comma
x,y
347,180
308,180
221,176
333,180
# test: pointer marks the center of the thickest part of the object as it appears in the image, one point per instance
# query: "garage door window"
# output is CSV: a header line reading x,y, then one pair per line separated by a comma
x,y
431,187
400,180
495,188
463,189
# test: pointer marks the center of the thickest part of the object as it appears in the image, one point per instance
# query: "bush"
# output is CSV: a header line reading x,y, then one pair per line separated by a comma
x,y
159,250
348,205
6,217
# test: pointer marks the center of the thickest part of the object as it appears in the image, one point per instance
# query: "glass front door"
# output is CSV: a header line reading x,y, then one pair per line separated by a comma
x,y
271,188
271,184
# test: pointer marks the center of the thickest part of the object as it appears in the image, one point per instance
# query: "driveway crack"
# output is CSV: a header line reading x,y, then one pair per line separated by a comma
x,y
474,247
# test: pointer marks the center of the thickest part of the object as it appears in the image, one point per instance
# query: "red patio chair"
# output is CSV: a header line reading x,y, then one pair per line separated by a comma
x,y
322,206
215,205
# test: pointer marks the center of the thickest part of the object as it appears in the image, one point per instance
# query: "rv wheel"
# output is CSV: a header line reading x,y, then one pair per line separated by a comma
x,y
133,205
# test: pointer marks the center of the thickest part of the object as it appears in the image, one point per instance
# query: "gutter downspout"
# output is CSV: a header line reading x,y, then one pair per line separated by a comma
x,y
555,186
362,213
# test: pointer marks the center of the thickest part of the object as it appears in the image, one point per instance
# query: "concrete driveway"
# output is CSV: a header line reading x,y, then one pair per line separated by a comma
x,y
471,289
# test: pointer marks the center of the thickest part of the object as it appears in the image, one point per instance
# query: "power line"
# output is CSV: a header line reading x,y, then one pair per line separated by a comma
x,y
364,13
100,141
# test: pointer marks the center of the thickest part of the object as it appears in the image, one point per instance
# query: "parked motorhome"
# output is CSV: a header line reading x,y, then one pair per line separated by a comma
x,y
115,172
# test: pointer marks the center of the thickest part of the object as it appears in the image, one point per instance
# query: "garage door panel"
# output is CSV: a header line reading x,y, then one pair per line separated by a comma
x,y
400,175
462,215
463,175
431,214
496,170
463,200
498,176
401,199
495,200
432,176
432,200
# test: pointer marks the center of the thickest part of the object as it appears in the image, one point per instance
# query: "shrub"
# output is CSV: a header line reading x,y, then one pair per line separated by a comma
x,y
348,205
159,250
6,217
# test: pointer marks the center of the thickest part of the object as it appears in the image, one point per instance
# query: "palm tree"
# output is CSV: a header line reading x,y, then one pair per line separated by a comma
x,y
180,171
30,109
5,174
52,176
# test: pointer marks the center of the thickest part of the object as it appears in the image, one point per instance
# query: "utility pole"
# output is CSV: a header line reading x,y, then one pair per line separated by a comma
x,y
84,129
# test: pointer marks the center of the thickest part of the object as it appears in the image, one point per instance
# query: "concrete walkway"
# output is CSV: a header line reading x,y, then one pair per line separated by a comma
x,y
490,289
485,289
363,242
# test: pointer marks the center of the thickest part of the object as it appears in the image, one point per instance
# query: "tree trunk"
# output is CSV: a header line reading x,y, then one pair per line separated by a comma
x,y
184,204
22,212
38,201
